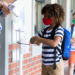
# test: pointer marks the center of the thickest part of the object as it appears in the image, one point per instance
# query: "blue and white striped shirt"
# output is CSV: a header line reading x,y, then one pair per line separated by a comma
x,y
47,51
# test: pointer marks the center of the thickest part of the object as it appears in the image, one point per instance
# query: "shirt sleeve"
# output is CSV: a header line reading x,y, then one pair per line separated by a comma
x,y
59,32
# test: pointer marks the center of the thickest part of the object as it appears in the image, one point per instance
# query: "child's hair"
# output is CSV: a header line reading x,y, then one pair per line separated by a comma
x,y
54,10
73,14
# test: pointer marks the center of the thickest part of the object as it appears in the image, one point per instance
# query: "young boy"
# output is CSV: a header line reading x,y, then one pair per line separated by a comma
x,y
53,15
72,53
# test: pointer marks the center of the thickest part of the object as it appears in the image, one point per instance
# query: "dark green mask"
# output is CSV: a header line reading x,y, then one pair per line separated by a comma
x,y
73,21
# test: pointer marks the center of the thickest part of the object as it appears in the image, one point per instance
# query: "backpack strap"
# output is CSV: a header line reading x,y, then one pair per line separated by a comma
x,y
52,37
54,58
45,31
53,31
72,28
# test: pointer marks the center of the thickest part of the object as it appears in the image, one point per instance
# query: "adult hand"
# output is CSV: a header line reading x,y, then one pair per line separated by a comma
x,y
1,5
5,10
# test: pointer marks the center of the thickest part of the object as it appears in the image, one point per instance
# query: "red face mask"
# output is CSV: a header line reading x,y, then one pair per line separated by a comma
x,y
47,21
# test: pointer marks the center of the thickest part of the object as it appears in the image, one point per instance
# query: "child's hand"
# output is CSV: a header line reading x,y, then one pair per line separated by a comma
x,y
35,40
32,40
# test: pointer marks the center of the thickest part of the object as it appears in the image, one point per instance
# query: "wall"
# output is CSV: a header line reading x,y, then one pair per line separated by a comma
x,y
73,5
31,65
64,6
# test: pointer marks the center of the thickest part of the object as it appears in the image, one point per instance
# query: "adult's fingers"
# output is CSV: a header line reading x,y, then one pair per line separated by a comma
x,y
5,10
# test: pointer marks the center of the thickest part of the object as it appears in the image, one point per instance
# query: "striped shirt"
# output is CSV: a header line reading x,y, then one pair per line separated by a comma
x,y
47,51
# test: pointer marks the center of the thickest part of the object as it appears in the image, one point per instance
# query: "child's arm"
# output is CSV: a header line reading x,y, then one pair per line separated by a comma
x,y
72,40
52,43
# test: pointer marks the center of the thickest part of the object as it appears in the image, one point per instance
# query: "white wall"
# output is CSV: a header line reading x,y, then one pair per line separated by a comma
x,y
68,13
28,18
74,6
53,1
24,21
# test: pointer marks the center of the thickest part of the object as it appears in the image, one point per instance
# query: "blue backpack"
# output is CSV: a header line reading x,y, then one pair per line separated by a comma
x,y
66,45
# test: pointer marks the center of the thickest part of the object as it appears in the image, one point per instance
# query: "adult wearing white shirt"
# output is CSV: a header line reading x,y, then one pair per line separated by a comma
x,y
72,53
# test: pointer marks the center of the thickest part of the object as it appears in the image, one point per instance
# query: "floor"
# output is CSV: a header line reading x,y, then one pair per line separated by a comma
x,y
66,67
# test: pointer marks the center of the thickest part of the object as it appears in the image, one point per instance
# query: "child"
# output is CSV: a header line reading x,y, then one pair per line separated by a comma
x,y
53,15
72,54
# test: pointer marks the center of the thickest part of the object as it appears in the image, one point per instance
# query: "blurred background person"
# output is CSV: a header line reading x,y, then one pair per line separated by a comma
x,y
72,53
